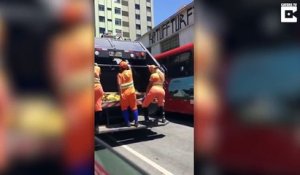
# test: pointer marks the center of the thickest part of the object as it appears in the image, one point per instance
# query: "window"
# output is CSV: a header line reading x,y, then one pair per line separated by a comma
x,y
118,31
149,18
181,65
117,10
148,9
125,2
137,16
125,13
118,21
125,24
149,1
126,34
170,43
138,36
110,20
138,26
254,87
109,31
137,6
108,8
149,28
101,7
117,1
182,88
101,18
102,30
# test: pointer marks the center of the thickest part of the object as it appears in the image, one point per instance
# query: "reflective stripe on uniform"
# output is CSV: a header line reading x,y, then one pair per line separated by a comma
x,y
158,84
126,85
97,80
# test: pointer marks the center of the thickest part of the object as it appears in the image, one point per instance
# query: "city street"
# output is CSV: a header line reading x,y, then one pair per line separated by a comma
x,y
161,150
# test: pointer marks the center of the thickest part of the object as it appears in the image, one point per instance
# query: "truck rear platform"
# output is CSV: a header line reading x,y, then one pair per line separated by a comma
x,y
154,122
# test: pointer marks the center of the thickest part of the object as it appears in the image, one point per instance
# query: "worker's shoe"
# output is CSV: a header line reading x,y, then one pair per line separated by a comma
x,y
146,114
96,129
162,114
136,124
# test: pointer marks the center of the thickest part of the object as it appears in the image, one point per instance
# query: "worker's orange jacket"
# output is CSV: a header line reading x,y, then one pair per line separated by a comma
x,y
156,91
98,89
126,85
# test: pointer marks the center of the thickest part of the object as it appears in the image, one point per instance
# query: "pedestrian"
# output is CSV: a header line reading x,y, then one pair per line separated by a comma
x,y
154,90
127,93
98,94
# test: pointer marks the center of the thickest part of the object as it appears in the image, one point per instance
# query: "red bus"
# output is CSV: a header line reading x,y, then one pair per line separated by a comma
x,y
258,86
180,78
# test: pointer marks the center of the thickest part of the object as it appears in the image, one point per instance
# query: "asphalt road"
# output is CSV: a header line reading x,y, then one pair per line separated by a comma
x,y
161,150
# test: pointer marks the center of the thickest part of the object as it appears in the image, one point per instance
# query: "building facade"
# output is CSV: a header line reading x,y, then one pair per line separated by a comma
x,y
129,18
174,32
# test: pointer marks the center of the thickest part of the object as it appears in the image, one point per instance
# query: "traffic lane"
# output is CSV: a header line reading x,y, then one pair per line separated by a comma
x,y
170,146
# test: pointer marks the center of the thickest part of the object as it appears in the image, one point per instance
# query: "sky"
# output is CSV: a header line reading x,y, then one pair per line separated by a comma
x,y
166,8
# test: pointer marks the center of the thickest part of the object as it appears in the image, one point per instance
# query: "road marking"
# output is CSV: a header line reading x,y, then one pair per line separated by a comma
x,y
145,159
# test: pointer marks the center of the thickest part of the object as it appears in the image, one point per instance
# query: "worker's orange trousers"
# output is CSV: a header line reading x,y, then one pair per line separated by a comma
x,y
128,100
155,92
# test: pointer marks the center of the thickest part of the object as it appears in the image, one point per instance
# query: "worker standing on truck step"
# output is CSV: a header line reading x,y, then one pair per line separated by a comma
x,y
127,93
98,94
154,90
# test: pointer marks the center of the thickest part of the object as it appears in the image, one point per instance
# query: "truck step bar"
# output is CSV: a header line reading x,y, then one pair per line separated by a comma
x,y
107,65
120,127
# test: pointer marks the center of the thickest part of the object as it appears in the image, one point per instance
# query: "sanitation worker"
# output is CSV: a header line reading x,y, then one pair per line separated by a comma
x,y
154,90
127,92
71,55
98,94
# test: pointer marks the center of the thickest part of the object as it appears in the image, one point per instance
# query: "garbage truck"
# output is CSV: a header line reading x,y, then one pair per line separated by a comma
x,y
109,52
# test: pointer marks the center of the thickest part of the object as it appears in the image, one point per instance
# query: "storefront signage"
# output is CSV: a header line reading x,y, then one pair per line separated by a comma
x,y
173,25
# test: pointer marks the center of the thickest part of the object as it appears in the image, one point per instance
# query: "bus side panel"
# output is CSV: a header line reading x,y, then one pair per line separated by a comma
x,y
183,105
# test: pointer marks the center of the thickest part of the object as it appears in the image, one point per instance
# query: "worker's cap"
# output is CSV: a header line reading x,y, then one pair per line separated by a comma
x,y
69,11
152,68
76,11
123,65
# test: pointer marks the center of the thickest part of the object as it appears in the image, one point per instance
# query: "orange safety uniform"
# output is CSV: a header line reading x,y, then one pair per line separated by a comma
x,y
4,105
156,91
128,96
98,89
74,44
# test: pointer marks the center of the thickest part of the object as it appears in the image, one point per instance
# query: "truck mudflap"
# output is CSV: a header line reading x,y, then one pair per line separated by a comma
x,y
154,122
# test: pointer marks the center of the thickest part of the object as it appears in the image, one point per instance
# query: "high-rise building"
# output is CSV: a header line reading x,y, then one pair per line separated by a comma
x,y
130,18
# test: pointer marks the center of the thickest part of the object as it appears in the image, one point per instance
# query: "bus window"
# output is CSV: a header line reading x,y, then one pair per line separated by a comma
x,y
181,65
181,76
164,61
265,87
182,88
